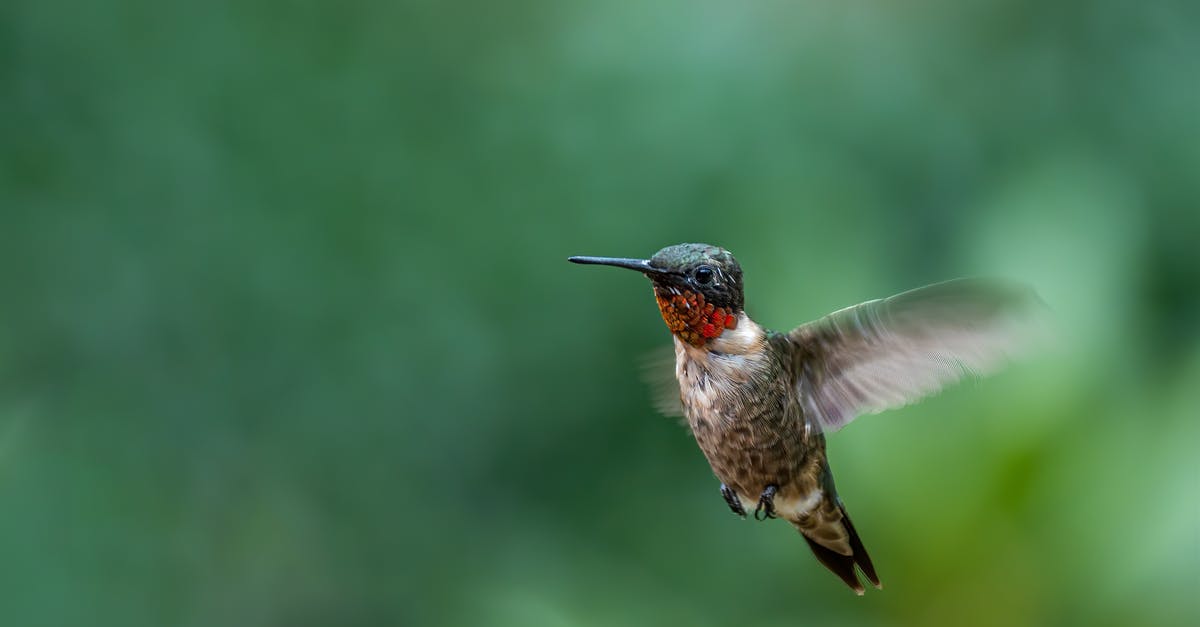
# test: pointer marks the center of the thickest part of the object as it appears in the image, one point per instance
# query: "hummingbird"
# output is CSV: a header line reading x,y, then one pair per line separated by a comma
x,y
759,402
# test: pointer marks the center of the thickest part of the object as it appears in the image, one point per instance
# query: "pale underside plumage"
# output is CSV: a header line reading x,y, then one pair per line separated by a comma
x,y
890,352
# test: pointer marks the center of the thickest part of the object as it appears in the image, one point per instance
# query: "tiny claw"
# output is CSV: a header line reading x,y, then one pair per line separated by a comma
x,y
766,503
732,500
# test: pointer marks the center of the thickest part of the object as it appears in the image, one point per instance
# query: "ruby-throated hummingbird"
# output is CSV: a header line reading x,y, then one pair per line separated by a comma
x,y
760,402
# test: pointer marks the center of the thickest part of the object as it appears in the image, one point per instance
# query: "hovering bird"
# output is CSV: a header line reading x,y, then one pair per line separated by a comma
x,y
759,402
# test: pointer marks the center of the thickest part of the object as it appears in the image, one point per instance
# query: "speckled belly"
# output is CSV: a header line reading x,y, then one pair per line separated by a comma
x,y
757,449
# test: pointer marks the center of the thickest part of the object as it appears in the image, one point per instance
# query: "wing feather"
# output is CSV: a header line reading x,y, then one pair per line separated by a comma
x,y
891,352
658,371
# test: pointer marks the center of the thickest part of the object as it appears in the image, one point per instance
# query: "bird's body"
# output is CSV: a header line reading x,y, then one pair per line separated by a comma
x,y
759,403
746,419
746,416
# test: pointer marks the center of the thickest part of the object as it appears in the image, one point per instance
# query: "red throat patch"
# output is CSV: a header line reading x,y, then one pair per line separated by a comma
x,y
693,320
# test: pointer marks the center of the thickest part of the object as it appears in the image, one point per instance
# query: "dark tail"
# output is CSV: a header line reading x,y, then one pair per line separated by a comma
x,y
840,564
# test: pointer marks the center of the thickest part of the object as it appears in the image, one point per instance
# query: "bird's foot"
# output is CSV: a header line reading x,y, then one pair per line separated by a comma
x,y
731,499
766,503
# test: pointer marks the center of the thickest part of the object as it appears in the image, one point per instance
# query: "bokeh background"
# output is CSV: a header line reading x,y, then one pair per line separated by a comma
x,y
288,337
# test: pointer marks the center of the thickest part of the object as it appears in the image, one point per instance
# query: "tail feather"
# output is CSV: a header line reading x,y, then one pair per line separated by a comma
x,y
860,552
840,565
843,565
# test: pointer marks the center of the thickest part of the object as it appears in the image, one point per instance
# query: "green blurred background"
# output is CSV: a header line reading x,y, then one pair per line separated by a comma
x,y
288,336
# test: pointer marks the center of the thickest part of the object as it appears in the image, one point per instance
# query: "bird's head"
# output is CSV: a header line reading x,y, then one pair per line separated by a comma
x,y
698,288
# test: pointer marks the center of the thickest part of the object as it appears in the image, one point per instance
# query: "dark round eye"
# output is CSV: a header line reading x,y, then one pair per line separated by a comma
x,y
704,275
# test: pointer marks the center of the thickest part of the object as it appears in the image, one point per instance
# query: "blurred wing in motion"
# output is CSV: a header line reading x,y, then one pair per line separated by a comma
x,y
891,352
658,371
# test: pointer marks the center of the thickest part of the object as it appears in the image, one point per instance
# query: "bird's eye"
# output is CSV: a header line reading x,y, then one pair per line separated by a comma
x,y
704,275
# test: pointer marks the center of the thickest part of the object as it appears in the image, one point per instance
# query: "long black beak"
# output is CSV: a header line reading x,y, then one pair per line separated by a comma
x,y
641,265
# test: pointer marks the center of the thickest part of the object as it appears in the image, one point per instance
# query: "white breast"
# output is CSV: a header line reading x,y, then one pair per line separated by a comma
x,y
713,375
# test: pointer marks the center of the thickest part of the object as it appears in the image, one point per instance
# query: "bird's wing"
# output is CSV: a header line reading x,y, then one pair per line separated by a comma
x,y
658,371
891,352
